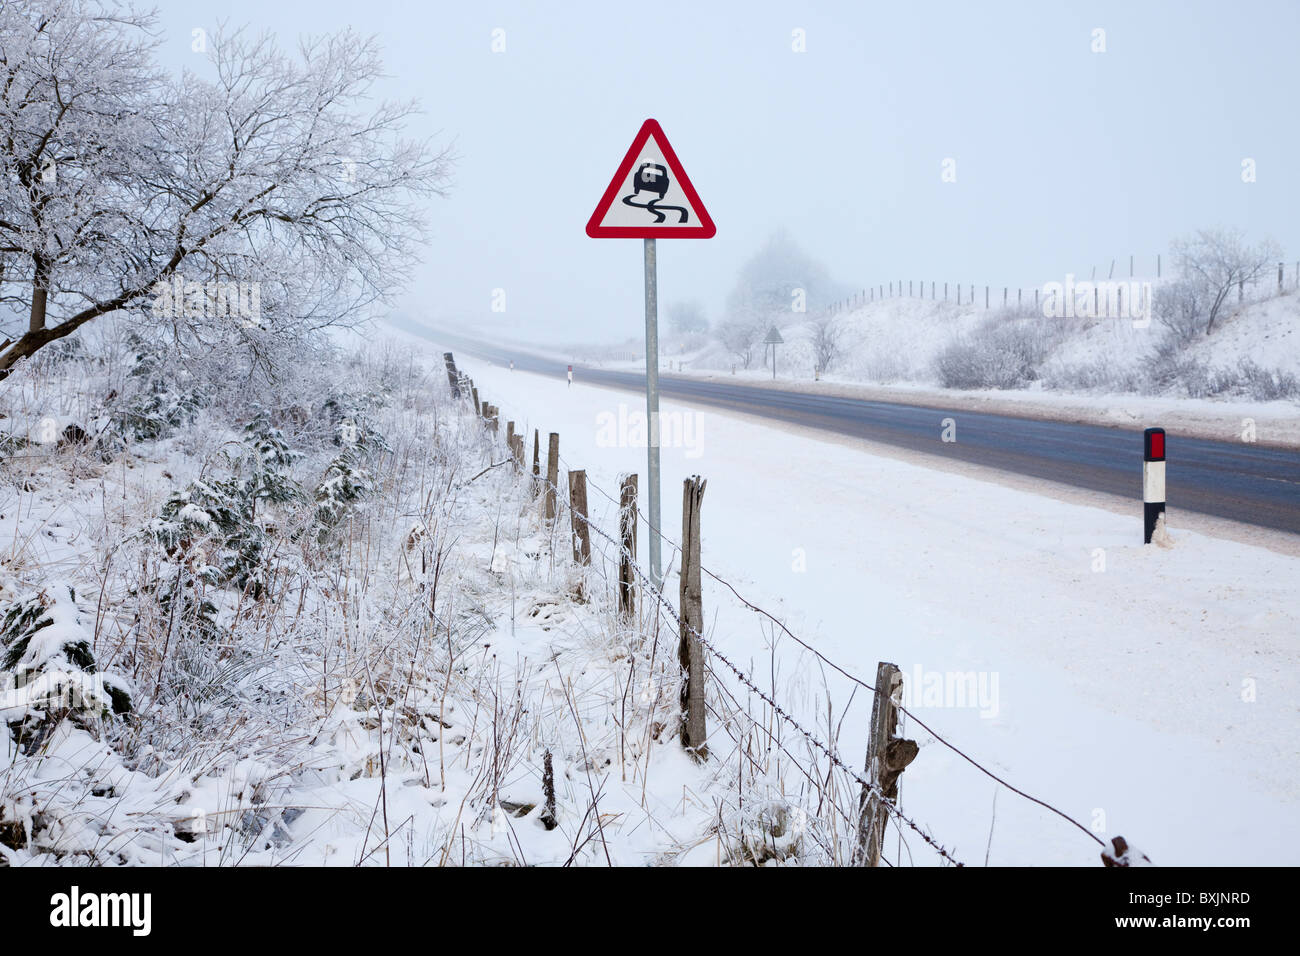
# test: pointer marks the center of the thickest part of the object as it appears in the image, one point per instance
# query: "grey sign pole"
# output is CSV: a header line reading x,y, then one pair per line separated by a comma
x,y
652,406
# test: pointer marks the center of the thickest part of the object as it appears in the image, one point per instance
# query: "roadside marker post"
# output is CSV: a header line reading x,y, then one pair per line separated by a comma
x,y
655,201
1153,480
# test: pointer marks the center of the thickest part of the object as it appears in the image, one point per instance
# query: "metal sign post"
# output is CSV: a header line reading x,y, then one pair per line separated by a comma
x,y
652,407
773,339
651,197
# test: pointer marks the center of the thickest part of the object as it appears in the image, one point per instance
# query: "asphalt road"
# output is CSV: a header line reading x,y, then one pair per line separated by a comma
x,y
1250,483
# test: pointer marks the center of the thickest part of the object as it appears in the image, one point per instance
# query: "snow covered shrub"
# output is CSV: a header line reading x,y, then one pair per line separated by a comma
x,y
1091,376
769,833
221,517
1005,352
1169,369
211,521
155,400
265,465
345,483
1265,384
349,419
48,671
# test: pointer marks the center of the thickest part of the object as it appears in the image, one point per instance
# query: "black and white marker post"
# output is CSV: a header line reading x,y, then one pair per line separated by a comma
x,y
1153,480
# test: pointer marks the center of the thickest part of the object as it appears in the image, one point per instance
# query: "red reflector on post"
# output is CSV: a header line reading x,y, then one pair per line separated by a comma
x,y
1153,444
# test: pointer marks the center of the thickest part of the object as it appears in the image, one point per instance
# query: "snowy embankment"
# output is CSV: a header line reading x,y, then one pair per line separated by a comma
x,y
337,632
1123,684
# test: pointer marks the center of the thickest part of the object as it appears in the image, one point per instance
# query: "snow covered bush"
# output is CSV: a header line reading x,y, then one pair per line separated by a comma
x,y
345,483
155,400
211,522
48,670
1007,351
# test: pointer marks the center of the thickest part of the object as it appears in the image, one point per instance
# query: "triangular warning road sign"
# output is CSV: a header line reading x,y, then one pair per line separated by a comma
x,y
650,197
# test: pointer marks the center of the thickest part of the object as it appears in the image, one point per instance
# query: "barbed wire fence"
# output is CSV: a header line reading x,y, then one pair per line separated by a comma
x,y
735,718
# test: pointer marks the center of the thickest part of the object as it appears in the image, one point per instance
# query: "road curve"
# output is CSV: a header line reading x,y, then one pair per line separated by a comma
x,y
1253,484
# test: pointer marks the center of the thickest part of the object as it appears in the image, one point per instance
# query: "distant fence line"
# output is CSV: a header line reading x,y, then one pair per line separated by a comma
x,y
970,293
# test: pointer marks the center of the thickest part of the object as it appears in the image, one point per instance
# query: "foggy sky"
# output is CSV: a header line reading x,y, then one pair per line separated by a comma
x,y
1065,158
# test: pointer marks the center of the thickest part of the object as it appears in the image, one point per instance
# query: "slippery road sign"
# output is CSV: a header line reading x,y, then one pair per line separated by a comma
x,y
650,197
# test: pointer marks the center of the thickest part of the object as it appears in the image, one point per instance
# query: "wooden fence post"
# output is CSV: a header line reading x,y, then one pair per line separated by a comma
x,y
537,468
1119,853
690,652
510,434
887,757
578,517
477,409
552,473
453,377
627,532
517,452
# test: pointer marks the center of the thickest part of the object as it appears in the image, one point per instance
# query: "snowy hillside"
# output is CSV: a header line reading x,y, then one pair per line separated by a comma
x,y
901,341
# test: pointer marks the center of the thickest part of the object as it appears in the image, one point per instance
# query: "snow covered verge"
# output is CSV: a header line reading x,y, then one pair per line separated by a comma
x,y
324,622
1119,682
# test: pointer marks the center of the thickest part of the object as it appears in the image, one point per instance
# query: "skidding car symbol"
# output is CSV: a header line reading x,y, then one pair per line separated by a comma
x,y
653,178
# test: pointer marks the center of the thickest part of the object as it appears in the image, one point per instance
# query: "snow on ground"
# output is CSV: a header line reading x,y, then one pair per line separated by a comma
x,y
1130,697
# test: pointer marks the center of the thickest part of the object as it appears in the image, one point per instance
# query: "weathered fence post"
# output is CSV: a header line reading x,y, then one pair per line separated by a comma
x,y
578,517
477,408
537,468
510,434
1119,853
453,377
627,533
690,652
517,452
552,473
887,757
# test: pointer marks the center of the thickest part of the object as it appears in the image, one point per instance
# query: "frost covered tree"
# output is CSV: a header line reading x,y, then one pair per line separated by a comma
x,y
778,280
825,340
687,318
740,335
263,200
1217,260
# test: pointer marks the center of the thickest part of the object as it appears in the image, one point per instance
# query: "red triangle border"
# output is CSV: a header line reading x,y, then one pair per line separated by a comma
x,y
704,230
